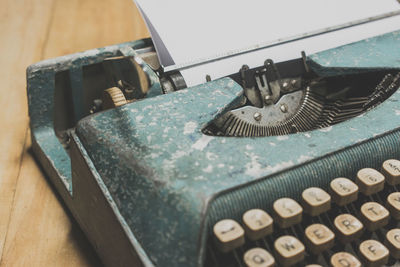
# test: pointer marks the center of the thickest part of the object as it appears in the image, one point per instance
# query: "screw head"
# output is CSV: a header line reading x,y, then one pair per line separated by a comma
x,y
267,99
257,116
284,108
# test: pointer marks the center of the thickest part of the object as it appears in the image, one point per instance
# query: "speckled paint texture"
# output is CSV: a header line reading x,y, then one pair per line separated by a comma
x,y
165,174
170,182
379,52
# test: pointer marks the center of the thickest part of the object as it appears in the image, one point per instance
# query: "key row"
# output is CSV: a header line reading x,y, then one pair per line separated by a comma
x,y
318,237
343,191
289,251
258,224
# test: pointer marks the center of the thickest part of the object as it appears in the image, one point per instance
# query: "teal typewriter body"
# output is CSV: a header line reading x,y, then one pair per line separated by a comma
x,y
148,179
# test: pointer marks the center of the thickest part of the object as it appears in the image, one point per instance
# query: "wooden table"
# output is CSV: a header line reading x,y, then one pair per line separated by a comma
x,y
35,228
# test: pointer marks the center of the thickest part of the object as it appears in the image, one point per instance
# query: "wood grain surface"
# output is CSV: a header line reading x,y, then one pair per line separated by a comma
x,y
35,227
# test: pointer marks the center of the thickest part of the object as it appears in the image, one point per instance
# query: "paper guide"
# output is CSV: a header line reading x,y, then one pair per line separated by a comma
x,y
194,31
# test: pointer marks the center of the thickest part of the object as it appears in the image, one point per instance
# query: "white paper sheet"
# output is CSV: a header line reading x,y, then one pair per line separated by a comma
x,y
189,31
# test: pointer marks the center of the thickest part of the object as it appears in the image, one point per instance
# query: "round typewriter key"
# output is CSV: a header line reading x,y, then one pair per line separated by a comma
x,y
228,235
258,257
344,259
348,228
319,238
315,201
343,191
257,224
289,250
287,212
370,181
392,242
374,215
391,171
393,205
373,253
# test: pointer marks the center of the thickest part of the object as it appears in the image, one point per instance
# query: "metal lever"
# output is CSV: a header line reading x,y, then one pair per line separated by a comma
x,y
252,94
262,87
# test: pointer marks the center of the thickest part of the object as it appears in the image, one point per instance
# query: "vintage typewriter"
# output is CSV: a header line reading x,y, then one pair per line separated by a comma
x,y
293,163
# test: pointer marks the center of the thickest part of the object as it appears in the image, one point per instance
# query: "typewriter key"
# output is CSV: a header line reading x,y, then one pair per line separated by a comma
x,y
393,205
258,257
289,250
257,224
391,171
319,238
229,235
315,201
392,242
287,212
343,191
374,215
344,259
373,253
348,228
370,181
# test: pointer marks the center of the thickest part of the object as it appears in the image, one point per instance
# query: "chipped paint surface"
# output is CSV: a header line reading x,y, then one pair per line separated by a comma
x,y
377,52
282,138
173,175
202,142
326,129
183,167
190,127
